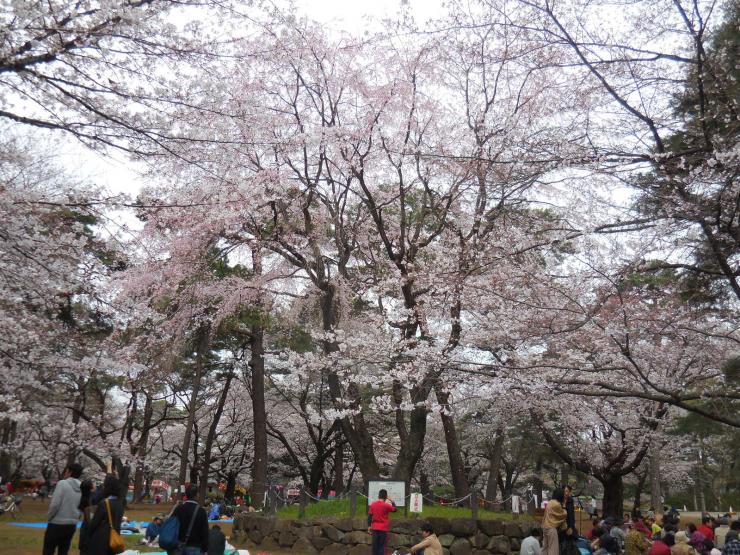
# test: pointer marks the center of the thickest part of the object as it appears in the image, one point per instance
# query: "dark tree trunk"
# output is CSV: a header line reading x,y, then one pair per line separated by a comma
x,y
230,486
206,465
199,368
494,464
123,471
338,485
259,414
613,496
8,429
142,447
424,486
353,428
655,479
638,492
457,466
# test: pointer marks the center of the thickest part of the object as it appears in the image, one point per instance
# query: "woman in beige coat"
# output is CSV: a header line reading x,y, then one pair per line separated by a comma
x,y
553,521
682,545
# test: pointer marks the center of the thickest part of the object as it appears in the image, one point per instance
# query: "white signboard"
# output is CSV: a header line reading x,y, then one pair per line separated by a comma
x,y
415,503
515,504
396,491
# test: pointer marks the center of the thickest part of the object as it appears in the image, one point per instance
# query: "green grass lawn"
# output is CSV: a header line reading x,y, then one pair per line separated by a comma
x,y
340,508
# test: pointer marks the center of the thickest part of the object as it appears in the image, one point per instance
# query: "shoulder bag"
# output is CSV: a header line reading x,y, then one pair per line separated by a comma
x,y
115,541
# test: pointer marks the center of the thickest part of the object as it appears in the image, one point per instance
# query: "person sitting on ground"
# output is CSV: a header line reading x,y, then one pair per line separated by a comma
x,y
639,525
216,541
733,535
531,544
608,545
710,549
662,546
594,526
597,534
635,543
153,530
655,529
682,546
706,527
720,533
732,542
618,533
430,544
696,538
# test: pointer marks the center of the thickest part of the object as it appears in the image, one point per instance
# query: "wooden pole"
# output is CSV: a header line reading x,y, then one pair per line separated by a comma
x,y
303,500
352,504
474,503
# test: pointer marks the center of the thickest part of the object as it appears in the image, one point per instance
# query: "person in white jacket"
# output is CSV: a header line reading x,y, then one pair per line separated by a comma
x,y
64,512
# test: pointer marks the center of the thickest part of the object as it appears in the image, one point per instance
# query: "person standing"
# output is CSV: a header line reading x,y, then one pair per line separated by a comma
x,y
193,523
63,512
87,509
109,512
380,524
554,520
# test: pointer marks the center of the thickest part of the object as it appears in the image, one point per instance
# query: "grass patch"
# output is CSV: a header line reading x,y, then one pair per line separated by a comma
x,y
340,508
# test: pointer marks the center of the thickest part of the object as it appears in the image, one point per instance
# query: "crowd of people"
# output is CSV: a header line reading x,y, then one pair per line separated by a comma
x,y
101,511
635,534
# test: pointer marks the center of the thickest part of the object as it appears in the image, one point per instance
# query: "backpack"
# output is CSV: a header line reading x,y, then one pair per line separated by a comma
x,y
169,535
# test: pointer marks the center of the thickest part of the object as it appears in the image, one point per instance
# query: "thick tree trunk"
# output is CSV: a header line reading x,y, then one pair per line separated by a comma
x,y
457,466
123,471
230,486
613,496
141,448
537,482
655,480
205,467
638,493
354,428
338,485
412,448
8,429
259,414
424,486
199,369
495,450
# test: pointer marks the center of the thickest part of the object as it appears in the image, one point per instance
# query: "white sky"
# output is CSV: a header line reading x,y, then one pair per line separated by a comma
x,y
117,174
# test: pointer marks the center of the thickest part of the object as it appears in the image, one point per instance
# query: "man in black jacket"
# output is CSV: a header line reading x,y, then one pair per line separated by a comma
x,y
196,542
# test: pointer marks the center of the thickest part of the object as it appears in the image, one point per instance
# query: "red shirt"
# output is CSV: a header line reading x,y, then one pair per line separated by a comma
x,y
659,548
706,530
379,510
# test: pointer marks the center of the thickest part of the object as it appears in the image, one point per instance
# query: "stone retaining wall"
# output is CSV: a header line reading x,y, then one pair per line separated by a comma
x,y
335,536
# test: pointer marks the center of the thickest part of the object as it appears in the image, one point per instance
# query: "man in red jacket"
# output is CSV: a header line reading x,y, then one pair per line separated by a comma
x,y
380,525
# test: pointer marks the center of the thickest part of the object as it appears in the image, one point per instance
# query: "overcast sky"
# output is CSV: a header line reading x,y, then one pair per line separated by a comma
x,y
114,172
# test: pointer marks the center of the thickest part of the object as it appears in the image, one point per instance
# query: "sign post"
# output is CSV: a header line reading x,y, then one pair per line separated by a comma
x,y
396,491
416,503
